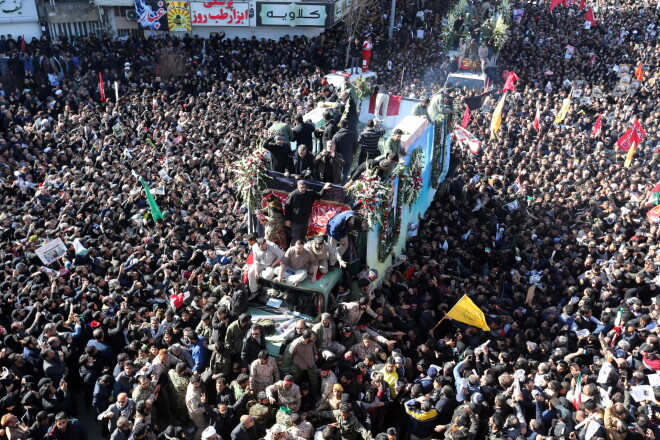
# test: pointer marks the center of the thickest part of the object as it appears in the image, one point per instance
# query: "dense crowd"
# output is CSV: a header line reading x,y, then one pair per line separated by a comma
x,y
144,321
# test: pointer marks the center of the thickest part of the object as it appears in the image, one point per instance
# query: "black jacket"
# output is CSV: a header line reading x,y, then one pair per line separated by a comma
x,y
253,433
298,165
279,156
303,134
298,206
369,138
347,144
331,129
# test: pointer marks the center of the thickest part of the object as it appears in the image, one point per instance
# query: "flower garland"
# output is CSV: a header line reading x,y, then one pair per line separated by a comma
x,y
250,176
372,193
438,153
391,225
362,88
411,179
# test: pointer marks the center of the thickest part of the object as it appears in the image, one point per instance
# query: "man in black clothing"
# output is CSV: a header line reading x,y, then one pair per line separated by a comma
x,y
254,342
346,142
248,430
279,152
300,163
303,132
349,111
329,165
368,141
298,209
330,129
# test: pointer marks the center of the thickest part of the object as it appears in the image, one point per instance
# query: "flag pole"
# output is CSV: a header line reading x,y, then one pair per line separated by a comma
x,y
439,322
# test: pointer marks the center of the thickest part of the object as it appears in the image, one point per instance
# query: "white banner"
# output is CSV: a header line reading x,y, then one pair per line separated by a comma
x,y
51,251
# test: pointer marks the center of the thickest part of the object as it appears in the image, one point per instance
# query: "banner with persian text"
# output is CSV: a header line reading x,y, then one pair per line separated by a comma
x,y
221,13
294,14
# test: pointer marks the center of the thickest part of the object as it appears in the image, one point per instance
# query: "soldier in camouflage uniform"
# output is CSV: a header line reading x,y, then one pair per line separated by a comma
x,y
367,346
348,426
285,393
300,428
283,416
325,337
274,218
179,382
263,372
353,311
262,413
280,432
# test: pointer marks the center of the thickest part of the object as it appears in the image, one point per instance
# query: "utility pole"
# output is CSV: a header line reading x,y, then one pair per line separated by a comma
x,y
392,12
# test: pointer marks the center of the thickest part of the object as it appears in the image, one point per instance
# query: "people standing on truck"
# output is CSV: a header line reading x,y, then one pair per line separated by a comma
x,y
298,209
369,139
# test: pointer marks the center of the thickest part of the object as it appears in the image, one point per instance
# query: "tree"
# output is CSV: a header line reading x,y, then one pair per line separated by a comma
x,y
358,16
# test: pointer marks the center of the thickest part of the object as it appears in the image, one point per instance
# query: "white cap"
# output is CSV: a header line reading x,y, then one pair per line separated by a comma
x,y
277,429
208,432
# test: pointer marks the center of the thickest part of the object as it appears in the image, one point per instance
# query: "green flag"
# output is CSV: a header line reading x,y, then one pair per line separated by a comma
x,y
155,210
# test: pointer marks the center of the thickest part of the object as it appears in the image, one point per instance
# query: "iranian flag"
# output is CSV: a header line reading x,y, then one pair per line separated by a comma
x,y
598,126
465,137
577,392
654,195
537,119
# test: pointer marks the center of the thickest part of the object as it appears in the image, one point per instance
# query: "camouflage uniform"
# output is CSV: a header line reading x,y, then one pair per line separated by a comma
x,y
261,376
353,313
361,351
179,389
349,428
326,385
325,340
305,430
275,228
262,414
290,397
283,416
374,335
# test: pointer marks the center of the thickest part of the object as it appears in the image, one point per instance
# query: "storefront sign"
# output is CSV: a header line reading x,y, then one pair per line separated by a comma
x,y
294,14
221,13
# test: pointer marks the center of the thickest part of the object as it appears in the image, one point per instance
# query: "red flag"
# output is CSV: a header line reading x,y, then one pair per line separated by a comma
x,y
598,125
639,131
654,214
23,42
554,4
392,106
537,119
510,80
466,117
634,135
639,72
408,274
582,5
101,87
589,16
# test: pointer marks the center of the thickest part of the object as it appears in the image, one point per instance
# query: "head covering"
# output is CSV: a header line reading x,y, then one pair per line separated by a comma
x,y
209,432
288,378
277,429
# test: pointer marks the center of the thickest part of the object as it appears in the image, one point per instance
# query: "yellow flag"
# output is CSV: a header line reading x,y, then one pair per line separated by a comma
x,y
496,121
629,156
564,109
467,312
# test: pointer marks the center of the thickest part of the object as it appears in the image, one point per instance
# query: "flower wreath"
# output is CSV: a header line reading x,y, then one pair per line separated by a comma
x,y
250,177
